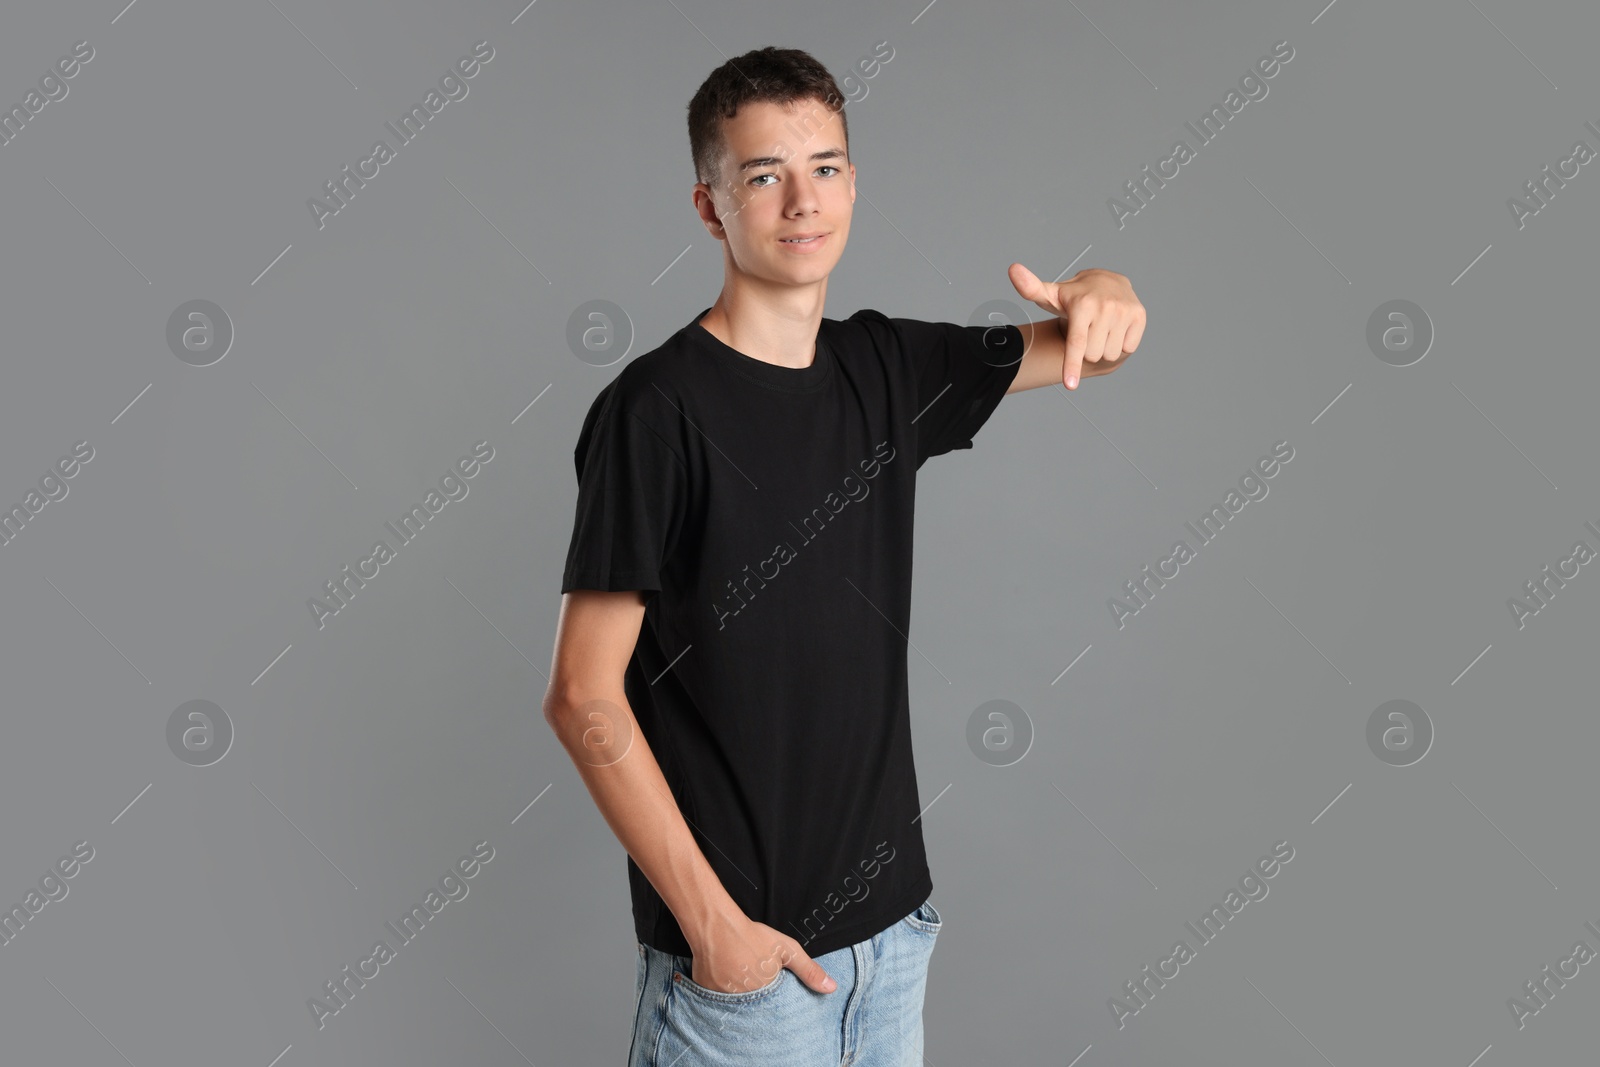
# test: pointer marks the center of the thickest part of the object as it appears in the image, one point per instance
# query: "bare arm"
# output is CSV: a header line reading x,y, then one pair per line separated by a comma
x,y
1044,360
588,710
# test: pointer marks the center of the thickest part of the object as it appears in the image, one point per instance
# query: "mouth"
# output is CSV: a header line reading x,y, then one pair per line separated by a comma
x,y
803,240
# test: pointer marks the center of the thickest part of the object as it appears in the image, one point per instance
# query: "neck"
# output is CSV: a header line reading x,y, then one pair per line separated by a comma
x,y
776,325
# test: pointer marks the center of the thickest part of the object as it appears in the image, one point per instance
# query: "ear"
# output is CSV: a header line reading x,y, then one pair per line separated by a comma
x,y
706,208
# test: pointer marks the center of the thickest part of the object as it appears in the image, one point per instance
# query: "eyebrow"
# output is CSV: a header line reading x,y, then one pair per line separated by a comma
x,y
772,161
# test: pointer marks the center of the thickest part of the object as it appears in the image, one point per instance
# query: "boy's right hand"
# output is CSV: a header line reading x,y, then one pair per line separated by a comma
x,y
741,954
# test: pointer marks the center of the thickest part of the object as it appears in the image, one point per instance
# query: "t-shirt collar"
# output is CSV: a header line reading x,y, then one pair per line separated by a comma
x,y
769,375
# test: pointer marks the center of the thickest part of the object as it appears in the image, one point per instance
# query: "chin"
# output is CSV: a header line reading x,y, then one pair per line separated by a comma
x,y
809,277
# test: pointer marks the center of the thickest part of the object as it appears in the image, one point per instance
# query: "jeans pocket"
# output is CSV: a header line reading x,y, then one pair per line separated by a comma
x,y
683,965
925,919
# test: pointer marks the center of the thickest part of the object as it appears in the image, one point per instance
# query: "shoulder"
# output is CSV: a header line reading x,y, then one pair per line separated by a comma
x,y
994,343
870,328
648,389
903,344
896,328
868,315
898,337
648,385
869,321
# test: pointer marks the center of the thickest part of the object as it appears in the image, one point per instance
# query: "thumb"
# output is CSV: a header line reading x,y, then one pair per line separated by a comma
x,y
811,973
1031,288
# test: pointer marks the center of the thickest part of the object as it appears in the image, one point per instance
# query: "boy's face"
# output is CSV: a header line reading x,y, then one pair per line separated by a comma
x,y
784,174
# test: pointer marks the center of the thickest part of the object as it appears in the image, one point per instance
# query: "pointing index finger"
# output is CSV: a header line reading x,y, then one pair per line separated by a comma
x,y
1076,331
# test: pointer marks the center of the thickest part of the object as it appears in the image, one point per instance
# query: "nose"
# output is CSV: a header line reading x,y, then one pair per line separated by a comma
x,y
802,198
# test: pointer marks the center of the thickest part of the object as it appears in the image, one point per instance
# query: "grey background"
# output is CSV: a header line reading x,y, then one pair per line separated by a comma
x,y
426,316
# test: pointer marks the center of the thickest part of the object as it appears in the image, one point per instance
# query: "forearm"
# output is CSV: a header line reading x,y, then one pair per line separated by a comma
x,y
623,777
1044,361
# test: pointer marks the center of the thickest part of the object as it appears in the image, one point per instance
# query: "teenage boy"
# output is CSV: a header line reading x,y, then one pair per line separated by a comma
x,y
729,673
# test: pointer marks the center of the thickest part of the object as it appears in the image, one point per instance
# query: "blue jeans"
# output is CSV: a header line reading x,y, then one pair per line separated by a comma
x,y
873,1018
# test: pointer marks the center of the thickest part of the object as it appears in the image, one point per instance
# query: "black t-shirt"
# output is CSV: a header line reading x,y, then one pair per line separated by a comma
x,y
767,513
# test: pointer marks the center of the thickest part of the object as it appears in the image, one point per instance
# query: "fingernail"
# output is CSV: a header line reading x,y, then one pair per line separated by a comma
x,y
1072,381
830,985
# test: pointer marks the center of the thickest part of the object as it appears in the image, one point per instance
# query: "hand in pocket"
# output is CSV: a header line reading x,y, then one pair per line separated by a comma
x,y
742,955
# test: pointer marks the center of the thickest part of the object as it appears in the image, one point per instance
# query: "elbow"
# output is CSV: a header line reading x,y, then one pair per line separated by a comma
x,y
556,706
557,702
562,704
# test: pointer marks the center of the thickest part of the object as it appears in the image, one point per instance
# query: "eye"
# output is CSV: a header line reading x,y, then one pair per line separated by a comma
x,y
757,179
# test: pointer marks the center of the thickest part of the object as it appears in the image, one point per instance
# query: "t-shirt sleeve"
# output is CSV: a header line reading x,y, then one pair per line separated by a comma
x,y
631,500
961,375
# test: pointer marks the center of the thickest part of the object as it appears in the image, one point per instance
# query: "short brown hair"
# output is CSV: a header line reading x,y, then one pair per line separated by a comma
x,y
774,75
